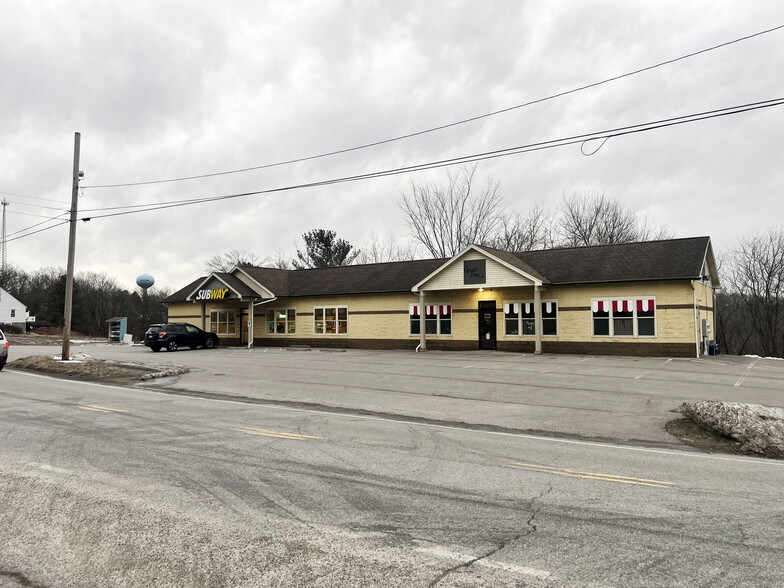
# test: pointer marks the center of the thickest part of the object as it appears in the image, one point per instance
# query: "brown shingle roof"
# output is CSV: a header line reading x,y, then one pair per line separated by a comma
x,y
672,259
397,276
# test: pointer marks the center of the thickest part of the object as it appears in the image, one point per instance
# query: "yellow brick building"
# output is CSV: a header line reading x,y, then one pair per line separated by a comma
x,y
650,299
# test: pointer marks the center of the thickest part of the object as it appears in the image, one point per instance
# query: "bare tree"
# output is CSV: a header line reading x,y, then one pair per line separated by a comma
x,y
446,218
756,275
378,250
280,260
519,232
225,262
597,219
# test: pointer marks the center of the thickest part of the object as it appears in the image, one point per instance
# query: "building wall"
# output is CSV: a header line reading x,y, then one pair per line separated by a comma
x,y
10,305
382,320
198,314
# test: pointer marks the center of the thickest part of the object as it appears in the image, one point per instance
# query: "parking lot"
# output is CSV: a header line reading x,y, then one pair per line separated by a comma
x,y
585,397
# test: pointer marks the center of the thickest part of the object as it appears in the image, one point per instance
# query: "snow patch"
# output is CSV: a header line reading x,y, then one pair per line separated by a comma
x,y
759,429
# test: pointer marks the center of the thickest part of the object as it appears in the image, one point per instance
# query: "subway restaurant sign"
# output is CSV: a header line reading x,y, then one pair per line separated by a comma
x,y
214,290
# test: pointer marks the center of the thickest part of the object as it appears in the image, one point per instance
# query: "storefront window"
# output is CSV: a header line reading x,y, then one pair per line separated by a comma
x,y
281,321
330,320
520,318
438,319
627,317
223,322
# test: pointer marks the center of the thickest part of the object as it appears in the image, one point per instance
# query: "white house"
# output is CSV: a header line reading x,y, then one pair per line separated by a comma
x,y
12,312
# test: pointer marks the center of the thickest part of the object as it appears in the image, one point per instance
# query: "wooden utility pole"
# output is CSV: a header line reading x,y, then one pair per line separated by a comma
x,y
66,354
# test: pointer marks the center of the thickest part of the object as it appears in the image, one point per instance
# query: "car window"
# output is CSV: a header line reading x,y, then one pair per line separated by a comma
x,y
191,329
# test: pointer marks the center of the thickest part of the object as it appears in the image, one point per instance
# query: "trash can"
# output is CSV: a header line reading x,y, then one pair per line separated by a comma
x,y
713,348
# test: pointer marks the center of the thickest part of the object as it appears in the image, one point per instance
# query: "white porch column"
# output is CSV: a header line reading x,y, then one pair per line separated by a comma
x,y
422,338
250,324
538,320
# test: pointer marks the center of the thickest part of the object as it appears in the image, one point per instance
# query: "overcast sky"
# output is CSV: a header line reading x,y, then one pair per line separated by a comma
x,y
162,90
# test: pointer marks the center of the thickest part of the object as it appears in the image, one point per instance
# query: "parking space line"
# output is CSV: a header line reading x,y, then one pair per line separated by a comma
x,y
563,365
746,373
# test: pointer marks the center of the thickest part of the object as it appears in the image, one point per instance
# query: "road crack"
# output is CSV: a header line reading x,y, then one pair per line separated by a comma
x,y
530,529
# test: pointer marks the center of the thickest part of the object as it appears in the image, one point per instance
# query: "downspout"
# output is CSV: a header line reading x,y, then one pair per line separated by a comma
x,y
696,321
250,318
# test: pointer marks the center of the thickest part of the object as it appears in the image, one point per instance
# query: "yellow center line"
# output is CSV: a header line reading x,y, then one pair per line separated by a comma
x,y
278,434
100,408
592,476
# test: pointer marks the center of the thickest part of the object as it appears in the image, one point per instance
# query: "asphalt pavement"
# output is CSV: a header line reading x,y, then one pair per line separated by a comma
x,y
111,485
621,399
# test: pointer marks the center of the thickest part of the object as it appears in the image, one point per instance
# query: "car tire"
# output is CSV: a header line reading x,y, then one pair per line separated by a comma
x,y
156,348
210,343
172,346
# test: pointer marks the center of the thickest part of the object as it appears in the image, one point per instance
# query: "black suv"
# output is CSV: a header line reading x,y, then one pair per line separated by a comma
x,y
172,336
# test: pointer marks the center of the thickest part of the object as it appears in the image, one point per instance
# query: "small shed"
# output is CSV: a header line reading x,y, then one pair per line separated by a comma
x,y
118,327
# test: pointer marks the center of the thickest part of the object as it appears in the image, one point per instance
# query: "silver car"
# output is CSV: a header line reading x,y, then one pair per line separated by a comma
x,y
3,350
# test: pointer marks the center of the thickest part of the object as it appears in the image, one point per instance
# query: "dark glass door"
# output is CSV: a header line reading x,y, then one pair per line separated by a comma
x,y
487,324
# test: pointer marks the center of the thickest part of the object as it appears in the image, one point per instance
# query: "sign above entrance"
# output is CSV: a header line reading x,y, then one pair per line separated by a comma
x,y
474,271
214,290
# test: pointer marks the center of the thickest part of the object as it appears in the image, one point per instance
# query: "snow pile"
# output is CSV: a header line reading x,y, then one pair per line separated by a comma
x,y
165,373
759,429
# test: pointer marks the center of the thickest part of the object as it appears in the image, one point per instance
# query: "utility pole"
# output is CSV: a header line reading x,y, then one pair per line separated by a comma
x,y
66,354
3,244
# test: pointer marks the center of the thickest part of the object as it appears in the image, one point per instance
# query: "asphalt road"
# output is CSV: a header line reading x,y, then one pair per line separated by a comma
x,y
121,486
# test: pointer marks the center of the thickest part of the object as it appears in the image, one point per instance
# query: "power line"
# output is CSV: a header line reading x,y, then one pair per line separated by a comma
x,y
48,219
448,125
32,198
17,213
65,222
562,142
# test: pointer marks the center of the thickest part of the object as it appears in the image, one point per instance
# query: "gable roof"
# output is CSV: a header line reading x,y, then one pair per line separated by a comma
x,y
671,259
504,258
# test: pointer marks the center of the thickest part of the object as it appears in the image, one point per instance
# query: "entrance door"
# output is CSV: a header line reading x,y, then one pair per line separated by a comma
x,y
487,324
244,327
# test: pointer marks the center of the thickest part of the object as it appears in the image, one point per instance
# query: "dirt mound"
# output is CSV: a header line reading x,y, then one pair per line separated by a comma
x,y
80,367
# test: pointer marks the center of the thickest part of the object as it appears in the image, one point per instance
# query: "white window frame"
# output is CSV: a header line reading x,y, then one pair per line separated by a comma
x,y
274,312
336,308
635,319
520,318
217,322
439,320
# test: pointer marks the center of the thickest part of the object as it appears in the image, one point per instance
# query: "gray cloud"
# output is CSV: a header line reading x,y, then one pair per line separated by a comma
x,y
174,89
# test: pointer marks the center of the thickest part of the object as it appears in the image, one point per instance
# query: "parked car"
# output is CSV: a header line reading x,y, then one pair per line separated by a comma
x,y
172,336
3,350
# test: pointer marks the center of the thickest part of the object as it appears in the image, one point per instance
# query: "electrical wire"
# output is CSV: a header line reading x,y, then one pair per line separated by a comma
x,y
448,125
32,198
8,240
562,142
